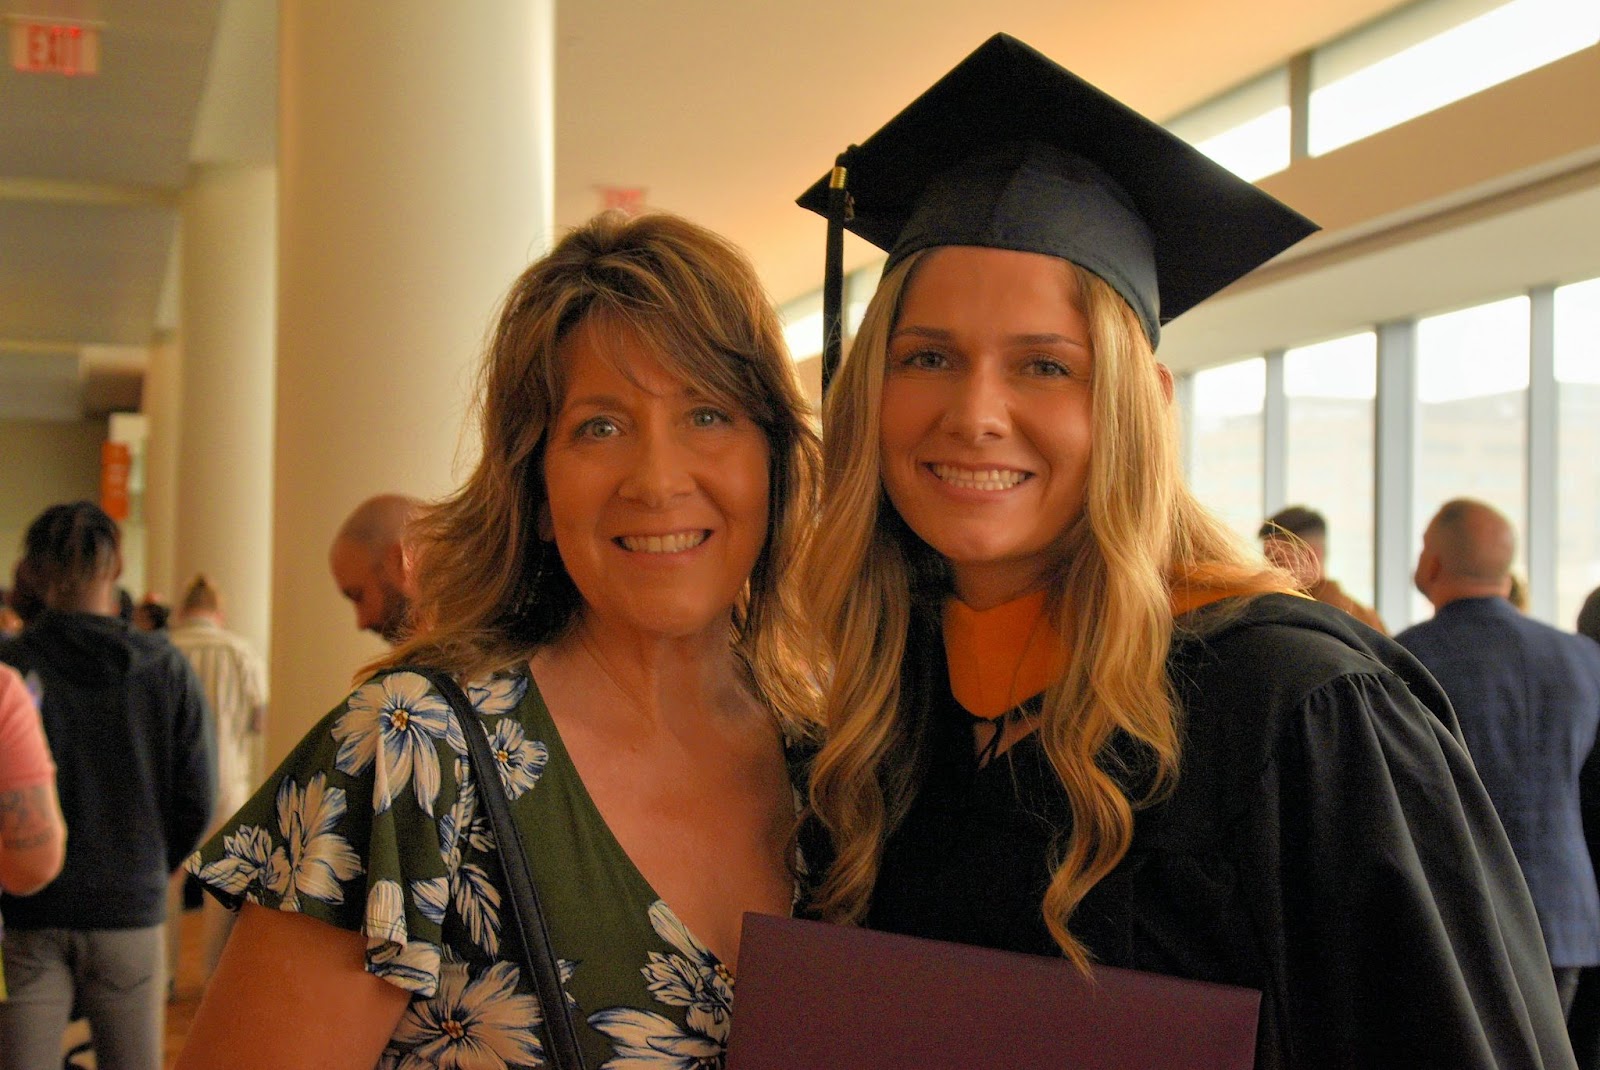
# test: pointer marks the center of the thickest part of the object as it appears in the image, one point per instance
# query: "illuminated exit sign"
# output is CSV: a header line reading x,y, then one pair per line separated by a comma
x,y
41,46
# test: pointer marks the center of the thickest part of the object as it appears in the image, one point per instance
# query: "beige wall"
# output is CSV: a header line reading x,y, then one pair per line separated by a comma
x,y
44,462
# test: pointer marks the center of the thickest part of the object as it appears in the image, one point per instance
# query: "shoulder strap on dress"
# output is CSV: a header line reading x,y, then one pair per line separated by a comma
x,y
538,956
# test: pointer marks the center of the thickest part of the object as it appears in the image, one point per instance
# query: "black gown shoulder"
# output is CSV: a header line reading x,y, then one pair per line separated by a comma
x,y
1328,843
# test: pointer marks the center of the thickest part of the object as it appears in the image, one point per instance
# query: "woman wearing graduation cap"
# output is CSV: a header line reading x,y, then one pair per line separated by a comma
x,y
1068,712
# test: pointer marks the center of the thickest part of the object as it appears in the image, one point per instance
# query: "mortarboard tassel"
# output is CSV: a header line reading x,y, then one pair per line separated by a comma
x,y
833,269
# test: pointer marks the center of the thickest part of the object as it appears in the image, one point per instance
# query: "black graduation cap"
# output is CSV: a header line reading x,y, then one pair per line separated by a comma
x,y
1010,150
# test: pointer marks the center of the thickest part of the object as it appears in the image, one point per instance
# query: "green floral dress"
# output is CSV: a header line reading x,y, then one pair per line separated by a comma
x,y
373,824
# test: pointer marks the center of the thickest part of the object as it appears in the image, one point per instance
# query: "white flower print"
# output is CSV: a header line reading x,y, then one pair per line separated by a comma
x,y
472,1023
478,902
476,899
432,896
413,966
695,980
465,815
317,857
498,695
386,913
248,866
402,713
519,760
642,1040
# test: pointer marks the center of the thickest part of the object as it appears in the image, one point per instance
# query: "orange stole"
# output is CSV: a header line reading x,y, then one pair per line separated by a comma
x,y
1003,656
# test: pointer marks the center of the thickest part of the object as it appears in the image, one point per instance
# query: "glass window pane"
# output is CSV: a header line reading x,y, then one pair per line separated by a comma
x,y
1246,129
1227,463
1577,343
1432,53
1329,390
1472,404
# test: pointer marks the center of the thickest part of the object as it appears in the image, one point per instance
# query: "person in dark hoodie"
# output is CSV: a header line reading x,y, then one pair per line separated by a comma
x,y
125,718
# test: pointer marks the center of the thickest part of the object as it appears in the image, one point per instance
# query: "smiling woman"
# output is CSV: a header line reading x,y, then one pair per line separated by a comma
x,y
614,587
656,495
1067,712
986,417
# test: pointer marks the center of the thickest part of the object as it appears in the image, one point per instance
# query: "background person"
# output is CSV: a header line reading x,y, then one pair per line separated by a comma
x,y
1589,616
32,833
1296,540
1583,1020
1528,697
125,718
372,566
616,585
235,682
151,614
1067,712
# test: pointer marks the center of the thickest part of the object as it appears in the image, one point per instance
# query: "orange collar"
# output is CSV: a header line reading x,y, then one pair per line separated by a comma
x,y
1001,657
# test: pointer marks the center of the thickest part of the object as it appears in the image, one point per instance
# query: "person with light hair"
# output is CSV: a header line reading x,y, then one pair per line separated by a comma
x,y
615,589
371,564
1068,712
235,682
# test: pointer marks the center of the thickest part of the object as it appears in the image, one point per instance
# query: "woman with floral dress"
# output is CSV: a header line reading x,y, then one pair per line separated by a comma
x,y
613,586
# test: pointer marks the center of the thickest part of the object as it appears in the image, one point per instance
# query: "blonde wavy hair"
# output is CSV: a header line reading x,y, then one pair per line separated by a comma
x,y
1140,534
489,591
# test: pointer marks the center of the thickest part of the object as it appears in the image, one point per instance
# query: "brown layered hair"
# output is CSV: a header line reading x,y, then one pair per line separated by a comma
x,y
1110,599
489,590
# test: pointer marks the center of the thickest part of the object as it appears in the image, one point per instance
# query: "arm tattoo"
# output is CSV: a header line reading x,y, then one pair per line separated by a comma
x,y
26,820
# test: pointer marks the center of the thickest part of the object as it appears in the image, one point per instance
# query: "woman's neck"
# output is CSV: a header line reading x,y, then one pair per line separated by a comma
x,y
650,677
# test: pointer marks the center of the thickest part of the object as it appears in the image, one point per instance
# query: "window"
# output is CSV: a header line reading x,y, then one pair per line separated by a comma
x,y
1577,361
1226,438
1432,53
1329,391
1471,420
1246,130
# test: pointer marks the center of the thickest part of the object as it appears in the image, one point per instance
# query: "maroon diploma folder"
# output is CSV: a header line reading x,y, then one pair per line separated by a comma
x,y
811,996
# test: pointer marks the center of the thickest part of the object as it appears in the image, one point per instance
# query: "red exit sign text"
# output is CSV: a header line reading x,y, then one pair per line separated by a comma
x,y
54,47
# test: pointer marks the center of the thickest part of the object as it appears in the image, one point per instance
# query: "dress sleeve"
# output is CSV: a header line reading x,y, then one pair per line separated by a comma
x,y
1410,936
362,827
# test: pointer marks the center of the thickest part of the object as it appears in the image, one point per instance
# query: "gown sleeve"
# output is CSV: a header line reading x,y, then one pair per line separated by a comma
x,y
1410,939
363,827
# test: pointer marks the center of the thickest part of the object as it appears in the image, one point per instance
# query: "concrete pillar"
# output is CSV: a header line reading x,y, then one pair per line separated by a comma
x,y
224,499
162,405
414,162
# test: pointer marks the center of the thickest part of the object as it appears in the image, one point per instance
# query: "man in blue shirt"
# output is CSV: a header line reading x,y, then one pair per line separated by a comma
x,y
1528,697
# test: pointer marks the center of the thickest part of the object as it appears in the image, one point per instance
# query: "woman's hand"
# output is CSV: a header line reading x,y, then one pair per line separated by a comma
x,y
292,991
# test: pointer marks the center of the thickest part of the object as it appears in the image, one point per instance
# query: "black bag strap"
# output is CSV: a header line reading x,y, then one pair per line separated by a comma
x,y
539,958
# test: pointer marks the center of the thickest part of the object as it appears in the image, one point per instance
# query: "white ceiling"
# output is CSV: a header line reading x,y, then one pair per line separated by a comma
x,y
721,111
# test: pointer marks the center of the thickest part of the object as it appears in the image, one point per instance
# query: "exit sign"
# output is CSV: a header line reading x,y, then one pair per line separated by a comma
x,y
54,47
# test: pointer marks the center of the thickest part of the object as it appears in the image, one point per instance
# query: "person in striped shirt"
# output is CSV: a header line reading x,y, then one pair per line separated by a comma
x,y
235,682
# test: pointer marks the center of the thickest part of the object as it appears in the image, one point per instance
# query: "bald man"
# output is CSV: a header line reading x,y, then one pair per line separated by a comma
x,y
370,564
1528,697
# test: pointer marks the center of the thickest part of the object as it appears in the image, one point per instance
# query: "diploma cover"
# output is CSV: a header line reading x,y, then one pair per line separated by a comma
x,y
811,996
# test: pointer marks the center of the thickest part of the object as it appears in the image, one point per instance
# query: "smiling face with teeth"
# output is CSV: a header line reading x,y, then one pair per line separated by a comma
x,y
657,496
986,422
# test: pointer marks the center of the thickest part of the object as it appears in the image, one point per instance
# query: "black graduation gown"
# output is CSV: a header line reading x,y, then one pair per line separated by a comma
x,y
1328,843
